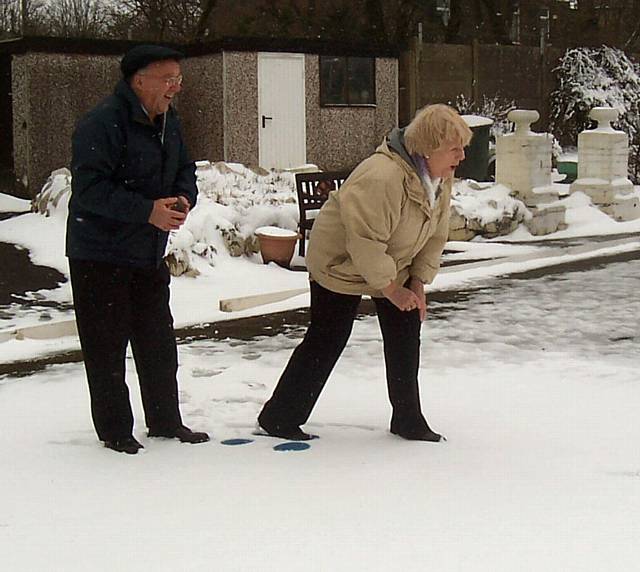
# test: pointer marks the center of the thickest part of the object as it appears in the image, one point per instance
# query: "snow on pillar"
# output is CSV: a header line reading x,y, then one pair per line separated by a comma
x,y
523,160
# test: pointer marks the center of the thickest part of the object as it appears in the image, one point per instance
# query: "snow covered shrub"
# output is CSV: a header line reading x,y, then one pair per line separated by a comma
x,y
478,209
55,194
597,77
234,200
495,108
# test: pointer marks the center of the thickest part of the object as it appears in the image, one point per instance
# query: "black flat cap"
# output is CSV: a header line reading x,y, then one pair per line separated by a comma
x,y
141,56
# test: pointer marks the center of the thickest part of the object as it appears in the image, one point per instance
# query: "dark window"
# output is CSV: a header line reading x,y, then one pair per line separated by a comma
x,y
347,81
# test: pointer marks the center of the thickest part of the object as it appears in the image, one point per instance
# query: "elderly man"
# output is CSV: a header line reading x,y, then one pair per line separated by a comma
x,y
133,182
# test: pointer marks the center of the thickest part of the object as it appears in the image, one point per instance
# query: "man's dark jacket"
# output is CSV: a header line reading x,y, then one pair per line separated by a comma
x,y
120,165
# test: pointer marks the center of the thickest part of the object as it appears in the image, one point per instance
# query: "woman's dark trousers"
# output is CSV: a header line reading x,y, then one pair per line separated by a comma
x,y
332,317
116,305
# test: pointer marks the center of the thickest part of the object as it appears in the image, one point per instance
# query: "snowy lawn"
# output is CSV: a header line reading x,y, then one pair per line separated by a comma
x,y
534,383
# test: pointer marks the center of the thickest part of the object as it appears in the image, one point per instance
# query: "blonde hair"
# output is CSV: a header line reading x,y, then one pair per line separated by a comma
x,y
433,126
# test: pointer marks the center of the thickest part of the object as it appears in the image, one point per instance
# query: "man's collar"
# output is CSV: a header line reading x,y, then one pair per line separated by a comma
x,y
138,112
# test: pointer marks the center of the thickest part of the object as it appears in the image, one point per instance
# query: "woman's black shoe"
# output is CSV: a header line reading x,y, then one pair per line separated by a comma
x,y
183,434
127,445
290,433
420,435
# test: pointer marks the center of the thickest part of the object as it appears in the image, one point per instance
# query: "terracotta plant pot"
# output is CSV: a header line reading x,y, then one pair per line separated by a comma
x,y
277,244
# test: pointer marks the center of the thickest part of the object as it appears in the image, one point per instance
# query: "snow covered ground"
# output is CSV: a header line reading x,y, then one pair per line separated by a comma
x,y
534,383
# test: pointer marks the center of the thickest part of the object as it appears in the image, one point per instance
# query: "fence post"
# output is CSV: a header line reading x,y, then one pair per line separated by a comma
x,y
543,95
417,63
406,85
412,81
475,71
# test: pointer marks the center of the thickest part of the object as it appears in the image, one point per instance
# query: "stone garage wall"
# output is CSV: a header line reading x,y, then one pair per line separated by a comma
x,y
50,92
54,84
241,107
337,137
340,137
200,107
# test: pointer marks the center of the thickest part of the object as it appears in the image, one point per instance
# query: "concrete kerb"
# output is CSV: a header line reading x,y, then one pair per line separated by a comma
x,y
595,250
48,331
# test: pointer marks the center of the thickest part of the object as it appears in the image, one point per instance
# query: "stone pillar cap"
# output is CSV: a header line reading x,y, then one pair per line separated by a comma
x,y
523,118
604,116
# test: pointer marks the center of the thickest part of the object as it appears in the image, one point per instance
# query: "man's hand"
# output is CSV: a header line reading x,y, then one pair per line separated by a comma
x,y
164,216
182,205
405,299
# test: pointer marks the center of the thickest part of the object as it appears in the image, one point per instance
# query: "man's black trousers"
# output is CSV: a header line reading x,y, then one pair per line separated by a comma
x,y
117,305
311,363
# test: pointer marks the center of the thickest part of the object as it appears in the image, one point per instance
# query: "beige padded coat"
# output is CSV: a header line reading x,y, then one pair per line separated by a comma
x,y
379,227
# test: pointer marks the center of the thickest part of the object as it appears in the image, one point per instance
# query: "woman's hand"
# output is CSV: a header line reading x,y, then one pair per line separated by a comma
x,y
405,299
417,287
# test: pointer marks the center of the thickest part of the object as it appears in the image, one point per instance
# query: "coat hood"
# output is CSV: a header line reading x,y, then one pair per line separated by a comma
x,y
393,147
395,142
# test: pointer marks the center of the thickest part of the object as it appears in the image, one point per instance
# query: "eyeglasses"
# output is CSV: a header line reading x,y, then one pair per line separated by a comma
x,y
173,81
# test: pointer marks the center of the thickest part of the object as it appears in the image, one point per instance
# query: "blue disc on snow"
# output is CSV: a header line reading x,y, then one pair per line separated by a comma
x,y
236,441
292,446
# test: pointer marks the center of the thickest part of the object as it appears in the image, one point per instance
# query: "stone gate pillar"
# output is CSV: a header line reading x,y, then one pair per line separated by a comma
x,y
523,163
523,160
603,155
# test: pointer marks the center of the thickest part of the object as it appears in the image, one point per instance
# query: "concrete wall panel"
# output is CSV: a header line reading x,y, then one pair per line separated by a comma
x,y
218,109
240,72
200,107
50,92
341,137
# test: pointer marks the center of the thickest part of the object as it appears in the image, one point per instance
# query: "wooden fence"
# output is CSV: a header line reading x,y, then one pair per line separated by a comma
x,y
439,73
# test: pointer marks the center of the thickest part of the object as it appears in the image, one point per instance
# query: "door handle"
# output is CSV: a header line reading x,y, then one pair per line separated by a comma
x,y
264,120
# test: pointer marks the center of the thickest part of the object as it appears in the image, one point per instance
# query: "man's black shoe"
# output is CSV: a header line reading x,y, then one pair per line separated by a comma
x,y
127,445
293,433
420,435
183,434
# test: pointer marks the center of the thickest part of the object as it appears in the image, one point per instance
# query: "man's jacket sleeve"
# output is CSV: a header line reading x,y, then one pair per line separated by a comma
x,y
98,146
185,183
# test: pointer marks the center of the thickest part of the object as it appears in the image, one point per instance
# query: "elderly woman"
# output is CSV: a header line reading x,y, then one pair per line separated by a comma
x,y
381,234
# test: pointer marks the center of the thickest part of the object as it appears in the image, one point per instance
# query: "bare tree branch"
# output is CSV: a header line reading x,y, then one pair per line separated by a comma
x,y
78,18
203,22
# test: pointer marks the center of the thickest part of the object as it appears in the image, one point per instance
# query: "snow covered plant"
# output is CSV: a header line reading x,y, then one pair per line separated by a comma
x,y
495,108
596,77
55,194
484,209
233,201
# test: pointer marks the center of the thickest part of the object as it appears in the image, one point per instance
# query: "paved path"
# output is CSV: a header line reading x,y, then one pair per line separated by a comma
x,y
440,305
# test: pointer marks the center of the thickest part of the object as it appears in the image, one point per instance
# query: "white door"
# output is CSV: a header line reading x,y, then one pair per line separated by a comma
x,y
281,110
